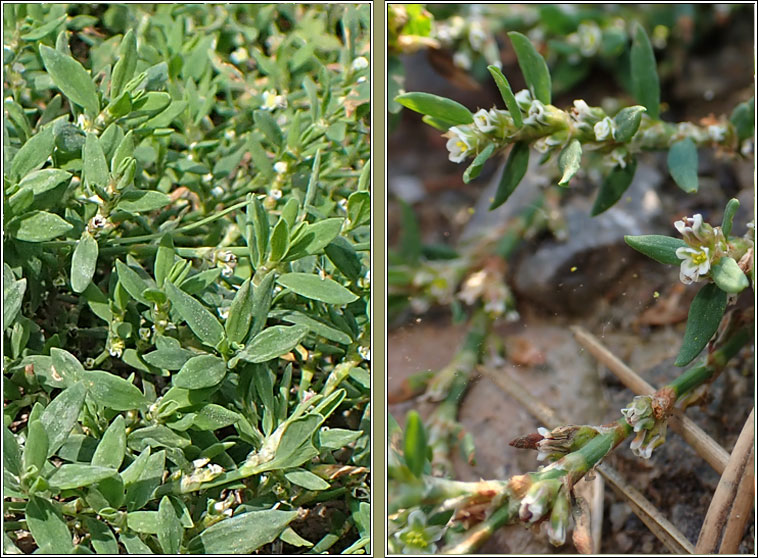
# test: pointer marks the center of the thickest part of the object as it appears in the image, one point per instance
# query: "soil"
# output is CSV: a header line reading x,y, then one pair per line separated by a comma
x,y
640,317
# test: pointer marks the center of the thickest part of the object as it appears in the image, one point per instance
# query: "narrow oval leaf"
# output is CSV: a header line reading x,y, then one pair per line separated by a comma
x,y
198,317
645,85
114,392
212,417
436,107
307,480
38,226
95,166
569,161
726,222
315,325
170,529
132,282
112,447
83,262
140,201
627,122
71,78
76,475
60,416
103,540
414,444
314,287
475,167
658,247
515,169
505,91
313,238
200,372
280,241
168,358
728,276
533,66
240,313
47,526
614,186
242,534
682,163
33,153
35,450
743,118
273,342
358,209
703,320
44,180
123,71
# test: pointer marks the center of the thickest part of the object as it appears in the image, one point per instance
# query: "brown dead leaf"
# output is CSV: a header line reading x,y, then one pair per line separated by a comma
x,y
522,352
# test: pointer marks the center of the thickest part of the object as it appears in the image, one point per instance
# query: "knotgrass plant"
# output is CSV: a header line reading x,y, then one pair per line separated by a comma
x,y
186,287
429,512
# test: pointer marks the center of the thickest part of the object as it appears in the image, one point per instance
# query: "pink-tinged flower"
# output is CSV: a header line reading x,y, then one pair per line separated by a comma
x,y
691,226
604,129
695,263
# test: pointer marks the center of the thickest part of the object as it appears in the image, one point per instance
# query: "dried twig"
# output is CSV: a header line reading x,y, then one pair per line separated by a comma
x,y
743,503
666,532
705,446
726,493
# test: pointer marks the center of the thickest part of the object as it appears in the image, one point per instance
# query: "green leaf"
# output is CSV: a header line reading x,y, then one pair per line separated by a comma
x,y
133,544
103,540
240,313
164,259
627,122
95,165
170,530
645,86
414,444
38,226
35,450
267,124
12,457
124,150
140,201
313,324
658,247
291,445
290,537
114,392
76,475
273,342
436,107
682,163
614,186
168,359
703,320
256,214
728,276
743,118
200,372
313,238
123,71
343,255
13,297
60,416
132,282
337,438
83,262
515,169
71,78
726,222
47,526
358,209
213,417
67,366
314,287
280,241
569,161
112,447
306,479
533,66
507,94
475,167
242,534
44,180
33,153
262,297
141,491
198,317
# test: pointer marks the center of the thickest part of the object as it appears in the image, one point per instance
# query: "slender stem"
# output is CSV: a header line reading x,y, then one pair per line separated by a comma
x,y
501,516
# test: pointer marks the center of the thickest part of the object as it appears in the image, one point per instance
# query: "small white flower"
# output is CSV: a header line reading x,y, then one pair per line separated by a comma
x,y
581,110
716,133
618,157
483,121
536,113
476,35
272,101
280,167
589,38
695,262
603,129
276,194
524,99
459,145
365,352
217,191
201,462
240,55
223,313
462,60
359,63
541,145
691,225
